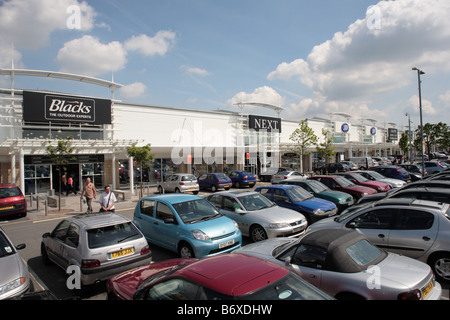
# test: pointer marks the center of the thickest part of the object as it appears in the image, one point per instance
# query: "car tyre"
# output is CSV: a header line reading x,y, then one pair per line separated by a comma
x,y
186,251
160,190
177,190
213,188
237,185
438,264
257,233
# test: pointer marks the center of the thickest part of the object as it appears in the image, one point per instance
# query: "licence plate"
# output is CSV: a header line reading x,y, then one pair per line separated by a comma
x,y
427,289
7,208
192,188
226,244
120,253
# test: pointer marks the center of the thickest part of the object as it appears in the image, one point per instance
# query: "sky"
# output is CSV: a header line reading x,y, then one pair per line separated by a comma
x,y
313,58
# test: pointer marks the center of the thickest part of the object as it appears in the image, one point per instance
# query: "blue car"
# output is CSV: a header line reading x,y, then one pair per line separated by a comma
x,y
214,181
394,172
297,198
187,224
241,178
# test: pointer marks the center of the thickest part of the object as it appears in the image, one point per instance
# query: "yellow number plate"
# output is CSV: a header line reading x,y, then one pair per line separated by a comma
x,y
427,290
6,208
121,253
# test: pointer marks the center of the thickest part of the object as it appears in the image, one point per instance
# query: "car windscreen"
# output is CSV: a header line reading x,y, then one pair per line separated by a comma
x,y
113,234
222,176
377,175
10,192
363,253
6,248
196,210
344,182
299,194
317,186
359,177
255,201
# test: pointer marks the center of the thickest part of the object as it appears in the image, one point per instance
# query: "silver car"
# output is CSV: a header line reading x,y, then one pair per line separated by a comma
x,y
418,229
344,264
14,276
179,182
100,244
375,176
258,217
287,175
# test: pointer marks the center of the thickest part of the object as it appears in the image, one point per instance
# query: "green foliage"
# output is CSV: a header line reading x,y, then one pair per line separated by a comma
x,y
325,149
304,137
142,156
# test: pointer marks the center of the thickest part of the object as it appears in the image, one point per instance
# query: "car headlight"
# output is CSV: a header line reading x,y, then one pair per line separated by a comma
x,y
341,201
380,188
200,235
318,211
236,225
278,225
12,285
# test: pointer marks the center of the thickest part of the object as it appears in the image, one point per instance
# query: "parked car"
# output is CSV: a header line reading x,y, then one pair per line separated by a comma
x,y
266,175
351,165
332,168
358,179
258,217
242,178
285,175
12,200
179,182
433,167
187,224
394,172
342,263
444,175
413,228
298,199
414,170
375,176
100,244
339,183
224,277
342,200
362,162
214,181
418,157
14,277
420,193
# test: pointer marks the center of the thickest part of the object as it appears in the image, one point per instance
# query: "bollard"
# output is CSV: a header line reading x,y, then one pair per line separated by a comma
x,y
81,204
31,200
46,207
37,202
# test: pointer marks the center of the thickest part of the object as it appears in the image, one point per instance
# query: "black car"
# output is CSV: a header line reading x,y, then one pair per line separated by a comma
x,y
394,172
414,170
267,175
420,193
332,168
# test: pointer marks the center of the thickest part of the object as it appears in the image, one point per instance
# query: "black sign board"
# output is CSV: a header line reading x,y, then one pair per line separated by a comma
x,y
46,107
259,123
72,159
392,134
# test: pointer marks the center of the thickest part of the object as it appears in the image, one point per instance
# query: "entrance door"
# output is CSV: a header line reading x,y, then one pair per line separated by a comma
x,y
70,169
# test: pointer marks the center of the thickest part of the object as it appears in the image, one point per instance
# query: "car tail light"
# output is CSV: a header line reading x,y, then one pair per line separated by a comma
x,y
410,295
145,250
245,177
89,263
440,165
181,183
285,177
218,181
398,171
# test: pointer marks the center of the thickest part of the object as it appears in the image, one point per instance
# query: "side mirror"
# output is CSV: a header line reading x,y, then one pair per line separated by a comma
x,y
287,261
352,225
239,211
47,235
21,246
169,221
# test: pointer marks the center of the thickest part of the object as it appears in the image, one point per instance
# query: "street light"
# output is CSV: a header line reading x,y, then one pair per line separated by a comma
x,y
410,136
419,72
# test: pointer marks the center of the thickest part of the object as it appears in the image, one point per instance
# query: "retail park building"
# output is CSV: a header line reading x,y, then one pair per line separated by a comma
x,y
182,139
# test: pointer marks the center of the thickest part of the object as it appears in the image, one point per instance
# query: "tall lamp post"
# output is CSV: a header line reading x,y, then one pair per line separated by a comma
x,y
410,136
420,72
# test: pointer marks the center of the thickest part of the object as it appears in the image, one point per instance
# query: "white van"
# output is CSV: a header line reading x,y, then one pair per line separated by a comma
x,y
362,162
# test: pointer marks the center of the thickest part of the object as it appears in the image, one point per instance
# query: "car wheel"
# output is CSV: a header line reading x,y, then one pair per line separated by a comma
x,y
257,233
237,185
440,265
160,189
44,255
177,190
195,192
186,251
213,188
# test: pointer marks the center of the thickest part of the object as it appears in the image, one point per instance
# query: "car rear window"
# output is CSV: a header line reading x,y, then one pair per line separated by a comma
x,y
111,235
188,178
10,192
362,252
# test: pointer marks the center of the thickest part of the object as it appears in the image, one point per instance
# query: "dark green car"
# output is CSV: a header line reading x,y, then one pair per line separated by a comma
x,y
318,189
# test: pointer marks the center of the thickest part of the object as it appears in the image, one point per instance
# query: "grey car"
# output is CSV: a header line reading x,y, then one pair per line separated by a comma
x,y
344,264
179,182
258,217
418,229
14,276
287,175
375,176
100,245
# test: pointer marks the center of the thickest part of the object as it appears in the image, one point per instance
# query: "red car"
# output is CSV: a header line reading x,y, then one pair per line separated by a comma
x,y
12,200
358,179
226,276
339,183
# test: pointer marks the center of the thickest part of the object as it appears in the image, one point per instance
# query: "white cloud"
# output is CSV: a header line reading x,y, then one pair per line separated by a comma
x,y
195,71
134,90
150,46
88,56
263,94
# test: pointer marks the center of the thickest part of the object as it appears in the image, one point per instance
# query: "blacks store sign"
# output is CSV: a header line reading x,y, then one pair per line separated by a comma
x,y
45,107
267,124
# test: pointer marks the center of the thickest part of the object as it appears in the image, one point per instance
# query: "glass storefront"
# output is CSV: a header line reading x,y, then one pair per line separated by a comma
x,y
37,179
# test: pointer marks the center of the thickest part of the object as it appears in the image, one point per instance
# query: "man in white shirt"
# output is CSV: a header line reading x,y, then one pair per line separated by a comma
x,y
107,200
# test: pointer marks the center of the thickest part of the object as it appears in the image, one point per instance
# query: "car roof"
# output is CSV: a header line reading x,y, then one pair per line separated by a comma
x,y
279,186
233,274
410,202
95,220
173,197
7,185
233,193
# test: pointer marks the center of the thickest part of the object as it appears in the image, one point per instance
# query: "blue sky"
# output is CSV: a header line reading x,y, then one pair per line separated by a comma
x,y
313,58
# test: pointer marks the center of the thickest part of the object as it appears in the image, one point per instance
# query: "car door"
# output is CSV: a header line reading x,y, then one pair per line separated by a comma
x,y
146,218
54,243
413,233
307,261
165,226
282,199
229,206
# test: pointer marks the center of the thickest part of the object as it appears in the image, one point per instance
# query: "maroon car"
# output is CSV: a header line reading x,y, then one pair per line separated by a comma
x,y
12,200
358,179
225,276
339,183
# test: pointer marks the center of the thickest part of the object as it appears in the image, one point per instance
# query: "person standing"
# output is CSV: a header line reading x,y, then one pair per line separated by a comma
x,y
70,186
107,200
64,182
90,193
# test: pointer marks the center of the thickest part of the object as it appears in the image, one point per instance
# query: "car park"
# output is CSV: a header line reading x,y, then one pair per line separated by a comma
x,y
286,175
225,277
342,263
358,179
339,183
214,181
342,200
375,176
12,201
420,193
179,182
298,199
433,167
258,217
394,172
14,276
266,176
187,224
242,178
413,228
100,245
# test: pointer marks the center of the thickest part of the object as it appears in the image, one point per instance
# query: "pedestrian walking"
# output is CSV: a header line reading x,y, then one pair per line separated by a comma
x,y
70,188
64,182
107,200
90,193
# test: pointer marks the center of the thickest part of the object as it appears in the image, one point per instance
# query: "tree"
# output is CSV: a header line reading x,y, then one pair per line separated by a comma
x,y
325,149
142,157
60,155
403,143
304,137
